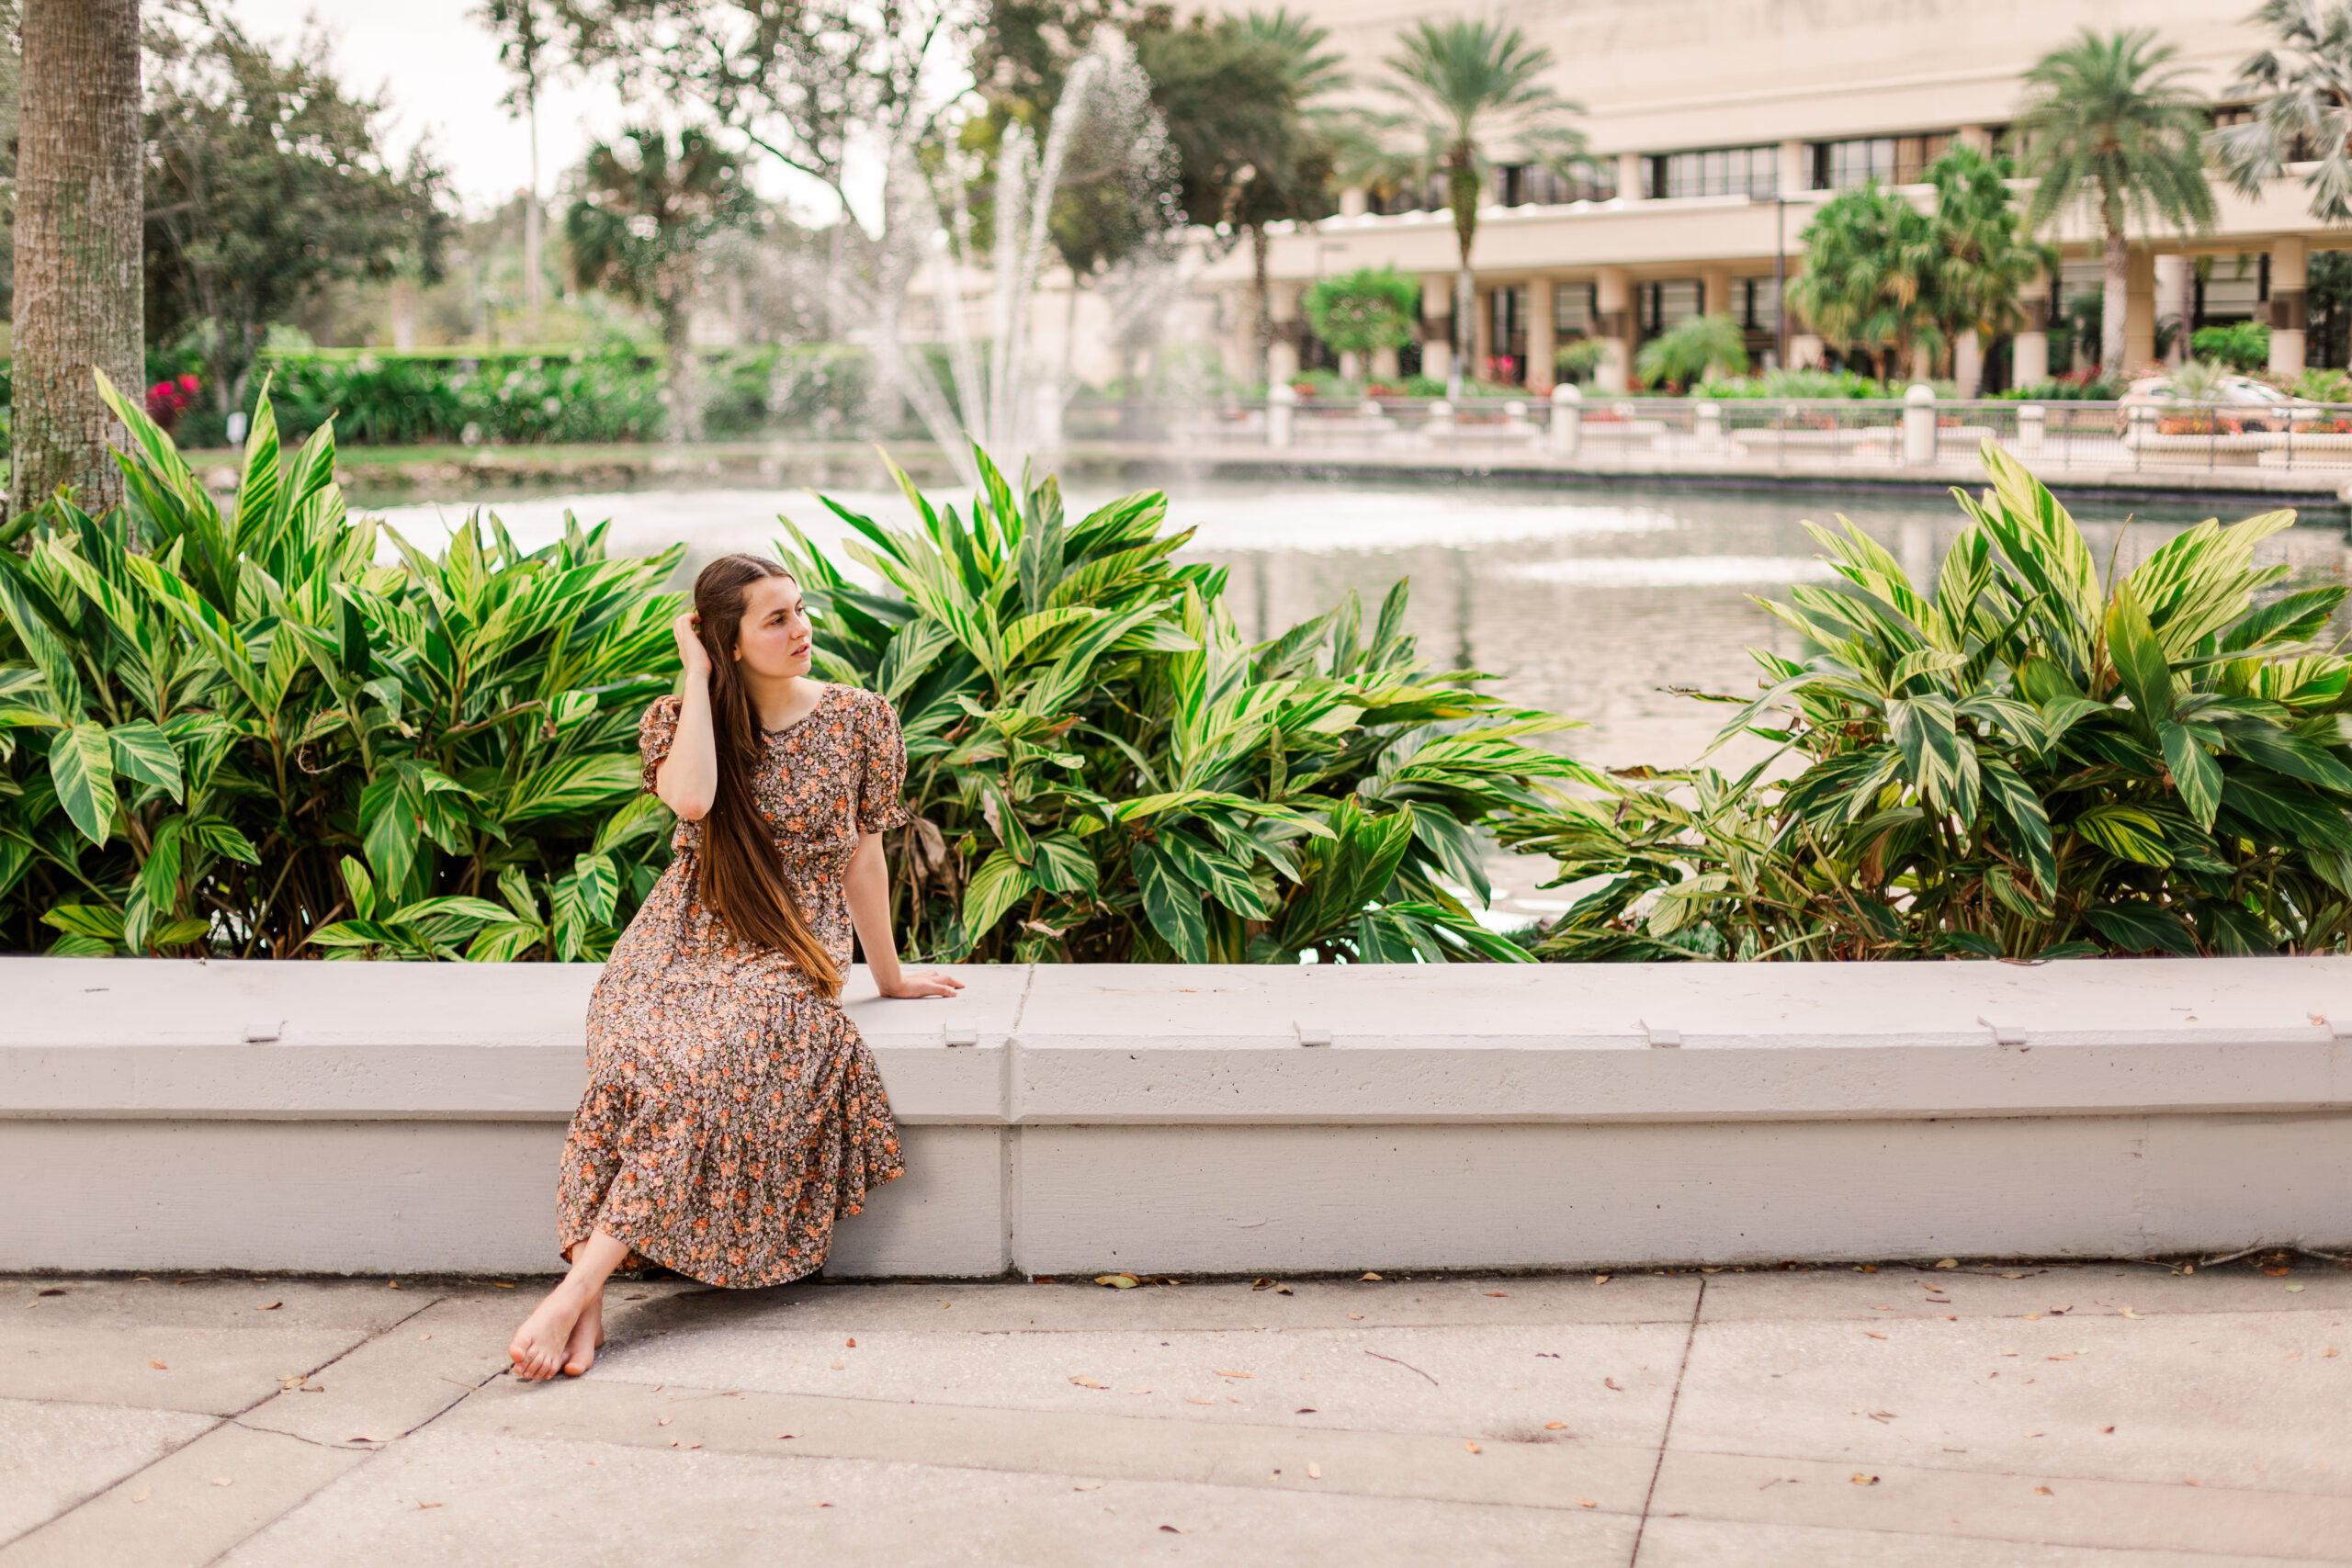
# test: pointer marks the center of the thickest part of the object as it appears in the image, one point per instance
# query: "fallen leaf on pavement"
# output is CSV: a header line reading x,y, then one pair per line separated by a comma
x,y
665,1420
1610,1384
851,1343
1586,1502
1471,1443
2297,1286
1087,1486
1314,1470
1117,1282
1947,1263
1191,1401
144,1492
2274,1273
1555,1426
269,1306
159,1366
2107,1429
1367,1274
2331,1350
1356,1317
1601,1278
1235,1374
222,1480
52,1291
2191,1481
2043,1491
1498,1292
1089,1382
1868,1335
422,1505
1171,1530
1859,1479
2127,1312
1138,1391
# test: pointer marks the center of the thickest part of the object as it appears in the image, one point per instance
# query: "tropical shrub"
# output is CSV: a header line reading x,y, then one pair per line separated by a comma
x,y
1701,349
1364,310
2242,345
1579,359
2013,763
1103,769
2089,388
1800,386
239,732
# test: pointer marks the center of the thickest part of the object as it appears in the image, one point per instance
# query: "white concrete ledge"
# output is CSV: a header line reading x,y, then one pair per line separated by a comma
x,y
345,1116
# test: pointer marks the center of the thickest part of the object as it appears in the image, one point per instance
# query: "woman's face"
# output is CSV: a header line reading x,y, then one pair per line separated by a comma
x,y
775,638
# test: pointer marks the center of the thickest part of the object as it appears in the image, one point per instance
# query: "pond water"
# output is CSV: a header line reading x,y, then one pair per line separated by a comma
x,y
1591,601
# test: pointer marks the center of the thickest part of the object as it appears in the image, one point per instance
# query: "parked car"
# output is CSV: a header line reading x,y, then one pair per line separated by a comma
x,y
2239,403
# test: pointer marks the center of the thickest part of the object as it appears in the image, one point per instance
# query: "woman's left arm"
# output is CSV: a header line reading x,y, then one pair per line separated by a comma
x,y
869,886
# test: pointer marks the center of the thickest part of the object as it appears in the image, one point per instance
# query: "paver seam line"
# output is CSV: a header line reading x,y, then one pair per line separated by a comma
x,y
231,1418
1666,1432
234,1418
804,1457
2020,1475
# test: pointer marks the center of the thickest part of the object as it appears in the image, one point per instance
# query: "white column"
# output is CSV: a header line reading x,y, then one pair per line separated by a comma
x,y
2029,350
1714,287
1796,167
1437,325
1919,425
2289,311
1968,364
1568,419
1543,334
1353,202
1632,176
1281,356
2139,311
1976,136
2172,271
1613,325
1282,408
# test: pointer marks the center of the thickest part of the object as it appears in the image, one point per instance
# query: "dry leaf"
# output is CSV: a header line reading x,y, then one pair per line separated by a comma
x,y
665,1420
1087,1486
1138,1391
52,1291
269,1306
1192,1401
1555,1426
1601,1278
1235,1374
1498,1292
838,1366
1089,1382
144,1492
2274,1273
1358,1317
2008,1352
1947,1262
1859,1479
2068,1357
2107,1429
1117,1282
1314,1470
1868,1335
1586,1502
1171,1530
1471,1443
2191,1481
1610,1384
500,1285
851,1343
2127,1312
2043,1491
2331,1350
782,1436
222,1480
2033,1318
159,1366
2297,1286
1367,1274
422,1505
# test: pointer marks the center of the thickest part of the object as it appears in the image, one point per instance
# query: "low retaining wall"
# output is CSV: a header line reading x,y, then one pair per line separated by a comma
x,y
359,1117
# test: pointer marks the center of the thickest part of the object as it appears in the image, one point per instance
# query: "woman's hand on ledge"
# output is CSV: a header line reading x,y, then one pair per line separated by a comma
x,y
931,982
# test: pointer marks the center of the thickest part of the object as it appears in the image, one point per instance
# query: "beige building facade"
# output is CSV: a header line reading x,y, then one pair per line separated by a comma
x,y
1719,127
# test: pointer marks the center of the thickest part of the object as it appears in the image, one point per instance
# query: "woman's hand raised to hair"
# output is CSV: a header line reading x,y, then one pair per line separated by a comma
x,y
931,982
691,651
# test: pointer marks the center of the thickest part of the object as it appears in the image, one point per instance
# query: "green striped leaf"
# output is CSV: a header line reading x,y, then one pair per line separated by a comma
x,y
81,764
1172,903
143,752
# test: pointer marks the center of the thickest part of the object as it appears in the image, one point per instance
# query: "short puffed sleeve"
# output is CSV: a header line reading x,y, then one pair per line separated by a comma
x,y
882,774
656,733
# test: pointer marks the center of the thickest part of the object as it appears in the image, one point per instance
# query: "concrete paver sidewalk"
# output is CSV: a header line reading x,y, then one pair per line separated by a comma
x,y
2049,1416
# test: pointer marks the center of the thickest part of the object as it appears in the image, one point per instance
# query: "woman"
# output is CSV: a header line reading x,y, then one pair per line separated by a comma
x,y
733,1112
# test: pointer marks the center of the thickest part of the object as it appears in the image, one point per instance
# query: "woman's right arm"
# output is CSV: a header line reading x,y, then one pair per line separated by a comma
x,y
687,779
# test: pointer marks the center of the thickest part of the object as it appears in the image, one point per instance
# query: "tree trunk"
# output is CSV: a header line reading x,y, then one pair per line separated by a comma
x,y
1263,369
79,305
686,388
2117,301
1466,326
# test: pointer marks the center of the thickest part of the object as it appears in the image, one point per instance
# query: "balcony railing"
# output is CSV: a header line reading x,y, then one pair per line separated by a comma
x,y
1762,435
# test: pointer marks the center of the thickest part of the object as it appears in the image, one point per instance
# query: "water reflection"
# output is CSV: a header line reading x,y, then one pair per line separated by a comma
x,y
1594,603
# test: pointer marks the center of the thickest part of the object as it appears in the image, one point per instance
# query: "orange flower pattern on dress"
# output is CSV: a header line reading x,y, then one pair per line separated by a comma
x,y
732,1114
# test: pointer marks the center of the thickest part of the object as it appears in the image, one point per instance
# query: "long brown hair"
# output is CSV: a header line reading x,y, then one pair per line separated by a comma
x,y
741,877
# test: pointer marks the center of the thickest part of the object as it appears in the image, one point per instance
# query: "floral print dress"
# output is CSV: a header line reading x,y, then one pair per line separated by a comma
x,y
732,1111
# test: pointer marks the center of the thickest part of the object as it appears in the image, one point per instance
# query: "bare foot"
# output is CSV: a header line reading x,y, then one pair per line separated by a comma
x,y
541,1344
587,1338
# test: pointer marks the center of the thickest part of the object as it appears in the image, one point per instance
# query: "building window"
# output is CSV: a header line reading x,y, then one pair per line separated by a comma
x,y
1390,200
1757,301
1889,159
1668,304
1529,184
1574,308
1721,171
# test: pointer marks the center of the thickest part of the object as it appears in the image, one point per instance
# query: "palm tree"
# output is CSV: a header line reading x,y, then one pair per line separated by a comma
x,y
2111,128
2306,108
647,205
1697,350
1299,185
1474,99
1984,261
1870,270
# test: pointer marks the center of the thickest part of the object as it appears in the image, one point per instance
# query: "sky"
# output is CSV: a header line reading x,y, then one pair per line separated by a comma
x,y
439,71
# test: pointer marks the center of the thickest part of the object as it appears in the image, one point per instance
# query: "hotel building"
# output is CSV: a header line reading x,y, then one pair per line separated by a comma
x,y
1719,127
